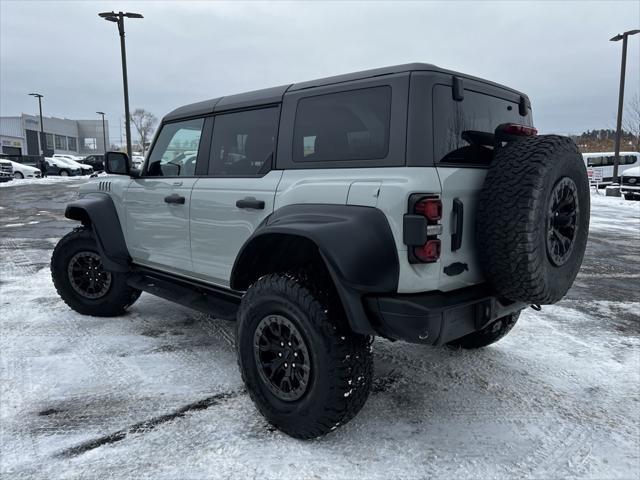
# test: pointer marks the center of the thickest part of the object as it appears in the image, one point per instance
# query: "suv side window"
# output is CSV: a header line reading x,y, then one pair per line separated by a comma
x,y
243,143
459,123
176,149
351,125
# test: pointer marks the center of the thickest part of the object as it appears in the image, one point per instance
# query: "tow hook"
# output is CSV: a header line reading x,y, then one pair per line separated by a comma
x,y
536,307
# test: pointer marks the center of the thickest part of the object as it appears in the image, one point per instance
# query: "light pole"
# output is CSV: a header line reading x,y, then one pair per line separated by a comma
x,y
104,132
119,19
43,140
616,158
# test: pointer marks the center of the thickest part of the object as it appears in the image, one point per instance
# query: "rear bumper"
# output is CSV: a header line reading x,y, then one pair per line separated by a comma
x,y
436,318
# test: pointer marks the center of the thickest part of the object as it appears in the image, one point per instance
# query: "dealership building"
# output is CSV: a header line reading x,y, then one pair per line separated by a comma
x,y
20,135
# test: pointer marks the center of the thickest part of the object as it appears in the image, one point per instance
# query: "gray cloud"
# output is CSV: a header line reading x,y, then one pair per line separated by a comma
x,y
558,53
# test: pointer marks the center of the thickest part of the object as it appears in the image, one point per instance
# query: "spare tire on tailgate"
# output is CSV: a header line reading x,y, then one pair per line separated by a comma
x,y
533,218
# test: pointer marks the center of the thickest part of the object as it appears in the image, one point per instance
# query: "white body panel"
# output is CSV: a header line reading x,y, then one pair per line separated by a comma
x,y
156,232
202,238
219,228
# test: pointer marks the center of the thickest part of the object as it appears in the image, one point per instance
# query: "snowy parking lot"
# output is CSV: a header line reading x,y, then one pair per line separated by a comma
x,y
157,394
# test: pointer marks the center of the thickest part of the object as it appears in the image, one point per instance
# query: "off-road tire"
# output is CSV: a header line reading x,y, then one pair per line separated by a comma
x,y
512,218
114,302
489,334
341,361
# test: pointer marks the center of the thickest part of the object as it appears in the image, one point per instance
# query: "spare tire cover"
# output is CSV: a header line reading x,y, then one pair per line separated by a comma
x,y
533,218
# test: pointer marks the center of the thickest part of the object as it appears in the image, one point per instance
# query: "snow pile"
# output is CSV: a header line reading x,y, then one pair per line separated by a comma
x,y
43,181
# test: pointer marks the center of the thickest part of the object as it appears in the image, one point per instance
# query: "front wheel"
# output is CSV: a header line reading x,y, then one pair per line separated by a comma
x,y
304,370
83,283
18,176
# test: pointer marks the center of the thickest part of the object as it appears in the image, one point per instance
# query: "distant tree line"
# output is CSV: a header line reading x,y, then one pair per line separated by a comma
x,y
603,140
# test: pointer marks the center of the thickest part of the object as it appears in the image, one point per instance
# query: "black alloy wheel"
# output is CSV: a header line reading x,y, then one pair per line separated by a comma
x,y
282,357
562,221
87,276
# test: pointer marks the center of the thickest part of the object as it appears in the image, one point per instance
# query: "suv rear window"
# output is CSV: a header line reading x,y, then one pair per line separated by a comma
x,y
351,125
455,123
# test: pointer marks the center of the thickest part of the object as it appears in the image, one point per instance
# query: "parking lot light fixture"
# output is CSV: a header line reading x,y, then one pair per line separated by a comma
x,y
616,159
104,132
119,19
43,143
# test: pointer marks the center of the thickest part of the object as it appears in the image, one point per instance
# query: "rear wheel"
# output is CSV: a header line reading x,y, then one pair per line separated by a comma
x,y
64,173
489,334
83,283
304,370
18,176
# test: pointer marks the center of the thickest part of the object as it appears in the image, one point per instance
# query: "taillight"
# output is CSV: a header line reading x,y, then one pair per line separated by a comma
x,y
430,208
429,252
515,129
422,228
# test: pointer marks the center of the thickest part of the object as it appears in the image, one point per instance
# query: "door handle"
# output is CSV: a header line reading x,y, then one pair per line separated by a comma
x,y
250,202
174,198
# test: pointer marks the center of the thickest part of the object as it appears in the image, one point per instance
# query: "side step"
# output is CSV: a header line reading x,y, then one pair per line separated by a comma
x,y
217,302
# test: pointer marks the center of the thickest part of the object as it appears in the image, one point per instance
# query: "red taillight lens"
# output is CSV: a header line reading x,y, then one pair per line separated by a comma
x,y
429,252
430,208
517,129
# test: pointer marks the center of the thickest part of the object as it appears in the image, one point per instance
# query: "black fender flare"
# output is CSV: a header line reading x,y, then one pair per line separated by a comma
x,y
355,242
97,211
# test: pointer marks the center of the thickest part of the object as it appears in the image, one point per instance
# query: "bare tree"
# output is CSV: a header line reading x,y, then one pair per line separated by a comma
x,y
145,123
632,119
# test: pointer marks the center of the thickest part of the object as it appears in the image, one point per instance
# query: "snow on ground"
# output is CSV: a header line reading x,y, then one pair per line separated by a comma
x,y
156,393
49,180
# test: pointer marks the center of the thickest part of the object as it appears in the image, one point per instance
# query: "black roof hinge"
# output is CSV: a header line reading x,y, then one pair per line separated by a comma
x,y
458,89
522,106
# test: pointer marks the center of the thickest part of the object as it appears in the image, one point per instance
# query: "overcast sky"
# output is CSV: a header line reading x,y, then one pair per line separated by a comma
x,y
181,52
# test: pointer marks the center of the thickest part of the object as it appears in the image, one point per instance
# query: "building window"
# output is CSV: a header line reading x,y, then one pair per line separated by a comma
x,y
61,142
73,146
49,137
90,144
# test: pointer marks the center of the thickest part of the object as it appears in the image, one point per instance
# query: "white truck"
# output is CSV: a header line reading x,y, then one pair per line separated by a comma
x,y
408,202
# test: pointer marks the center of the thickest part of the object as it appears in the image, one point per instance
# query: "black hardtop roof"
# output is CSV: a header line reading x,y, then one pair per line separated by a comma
x,y
274,94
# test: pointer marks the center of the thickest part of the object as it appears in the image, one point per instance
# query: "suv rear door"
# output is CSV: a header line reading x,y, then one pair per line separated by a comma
x,y
238,192
157,204
462,166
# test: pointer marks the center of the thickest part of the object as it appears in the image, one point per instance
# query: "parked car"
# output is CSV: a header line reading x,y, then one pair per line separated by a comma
x,y
6,171
408,202
60,166
95,161
21,171
630,183
84,169
137,161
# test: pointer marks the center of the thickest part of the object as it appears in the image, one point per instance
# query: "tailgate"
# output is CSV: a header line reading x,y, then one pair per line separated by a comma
x,y
459,265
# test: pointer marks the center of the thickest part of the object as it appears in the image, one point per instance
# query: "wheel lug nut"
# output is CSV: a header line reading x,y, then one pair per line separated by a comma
x,y
295,354
282,344
279,354
289,343
293,365
286,364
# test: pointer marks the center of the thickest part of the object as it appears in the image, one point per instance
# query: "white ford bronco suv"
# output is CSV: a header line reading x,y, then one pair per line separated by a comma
x,y
408,202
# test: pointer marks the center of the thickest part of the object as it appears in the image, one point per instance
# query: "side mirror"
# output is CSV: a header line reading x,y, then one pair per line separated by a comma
x,y
117,163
